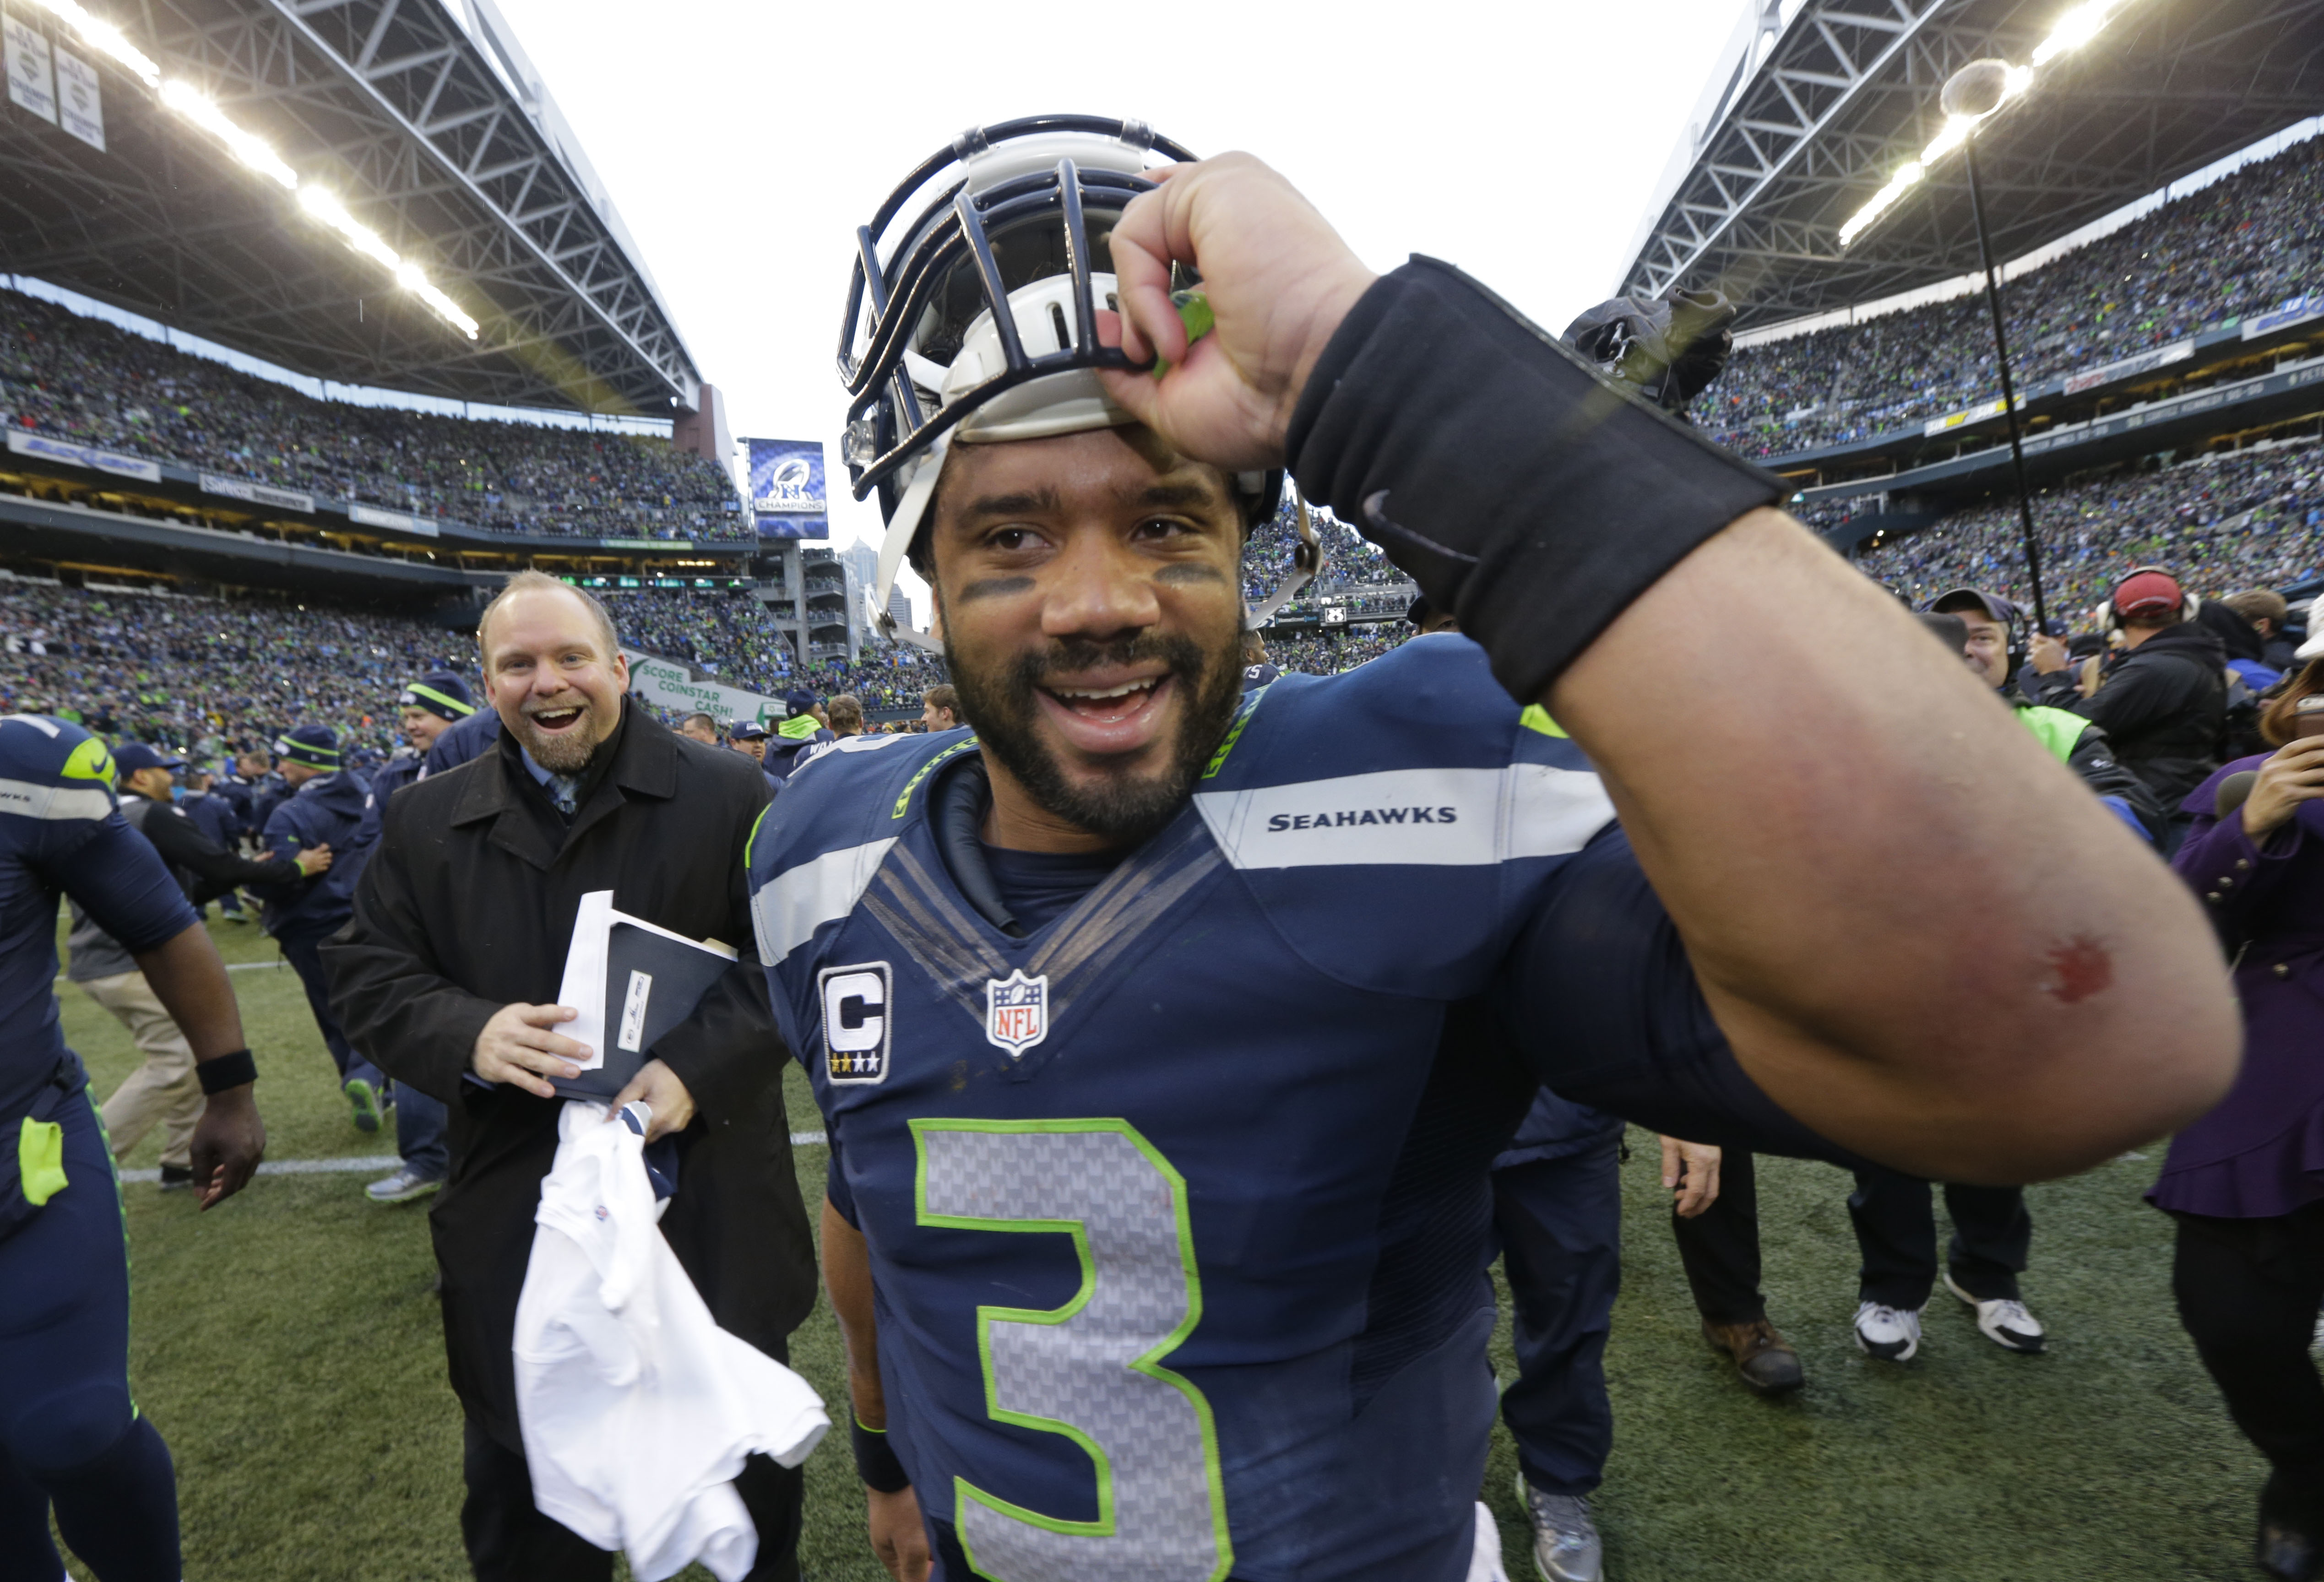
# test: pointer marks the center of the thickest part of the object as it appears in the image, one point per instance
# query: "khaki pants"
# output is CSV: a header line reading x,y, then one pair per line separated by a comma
x,y
162,1091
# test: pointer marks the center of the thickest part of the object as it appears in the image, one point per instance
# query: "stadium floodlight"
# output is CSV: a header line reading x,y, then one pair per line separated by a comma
x,y
2000,83
256,153
106,39
247,147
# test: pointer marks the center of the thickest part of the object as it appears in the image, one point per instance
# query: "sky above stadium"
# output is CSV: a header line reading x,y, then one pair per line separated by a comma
x,y
743,143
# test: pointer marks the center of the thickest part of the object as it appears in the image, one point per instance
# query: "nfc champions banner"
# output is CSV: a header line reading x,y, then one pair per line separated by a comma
x,y
786,489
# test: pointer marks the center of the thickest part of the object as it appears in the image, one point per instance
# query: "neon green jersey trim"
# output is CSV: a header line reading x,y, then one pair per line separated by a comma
x,y
1537,718
2059,729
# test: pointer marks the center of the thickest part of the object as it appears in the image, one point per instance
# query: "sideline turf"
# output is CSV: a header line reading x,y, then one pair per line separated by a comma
x,y
288,1346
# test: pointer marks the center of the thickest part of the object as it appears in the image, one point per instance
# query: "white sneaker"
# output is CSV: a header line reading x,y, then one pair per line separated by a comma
x,y
2004,1322
1892,1334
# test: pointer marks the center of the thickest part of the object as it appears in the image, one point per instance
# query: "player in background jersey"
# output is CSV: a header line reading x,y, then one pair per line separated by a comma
x,y
1257,670
71,1441
1155,1214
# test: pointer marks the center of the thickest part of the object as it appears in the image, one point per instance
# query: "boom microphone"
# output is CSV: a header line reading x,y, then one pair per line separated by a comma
x,y
2234,791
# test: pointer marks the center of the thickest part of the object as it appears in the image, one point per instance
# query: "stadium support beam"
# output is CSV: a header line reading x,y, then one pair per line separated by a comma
x,y
1829,98
394,107
1824,60
426,80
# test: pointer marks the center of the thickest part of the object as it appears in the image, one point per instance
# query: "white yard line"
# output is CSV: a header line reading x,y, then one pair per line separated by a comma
x,y
370,1161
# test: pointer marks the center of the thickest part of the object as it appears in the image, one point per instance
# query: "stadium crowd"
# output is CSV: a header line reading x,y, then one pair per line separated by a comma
x,y
210,677
1349,560
2250,518
2247,243
85,380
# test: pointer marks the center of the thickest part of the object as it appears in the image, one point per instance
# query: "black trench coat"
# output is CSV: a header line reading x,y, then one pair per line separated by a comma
x,y
466,905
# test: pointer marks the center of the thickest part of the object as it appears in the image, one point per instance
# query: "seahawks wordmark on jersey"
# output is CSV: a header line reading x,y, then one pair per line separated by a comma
x,y
1129,1182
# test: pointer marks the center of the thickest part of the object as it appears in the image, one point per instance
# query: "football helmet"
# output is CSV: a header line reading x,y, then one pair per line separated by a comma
x,y
1665,349
971,317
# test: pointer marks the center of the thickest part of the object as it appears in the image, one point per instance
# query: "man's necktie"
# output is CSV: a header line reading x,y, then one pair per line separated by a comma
x,y
565,790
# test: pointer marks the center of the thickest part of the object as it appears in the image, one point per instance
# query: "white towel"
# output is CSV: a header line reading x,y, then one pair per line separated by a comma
x,y
1485,1559
637,1409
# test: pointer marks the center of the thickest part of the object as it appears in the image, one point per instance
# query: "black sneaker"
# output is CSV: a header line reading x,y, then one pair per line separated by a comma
x,y
177,1177
2287,1549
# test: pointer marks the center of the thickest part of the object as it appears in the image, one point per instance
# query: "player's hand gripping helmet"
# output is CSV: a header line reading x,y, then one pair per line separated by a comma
x,y
1021,214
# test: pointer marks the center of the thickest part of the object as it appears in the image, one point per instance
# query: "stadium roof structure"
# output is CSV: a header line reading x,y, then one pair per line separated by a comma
x,y
426,119
1818,103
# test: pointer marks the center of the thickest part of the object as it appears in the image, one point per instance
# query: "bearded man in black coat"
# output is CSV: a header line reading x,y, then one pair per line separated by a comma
x,y
448,976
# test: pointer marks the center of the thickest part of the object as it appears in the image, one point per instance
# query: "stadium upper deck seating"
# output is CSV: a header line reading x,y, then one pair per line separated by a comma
x,y
2244,245
84,378
2252,519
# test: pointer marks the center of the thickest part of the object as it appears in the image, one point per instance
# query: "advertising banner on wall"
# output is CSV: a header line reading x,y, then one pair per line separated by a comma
x,y
2299,311
786,488
2178,351
24,443
257,493
404,521
668,685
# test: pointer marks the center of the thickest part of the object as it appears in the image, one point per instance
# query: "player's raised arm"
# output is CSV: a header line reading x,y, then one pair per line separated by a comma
x,y
1786,750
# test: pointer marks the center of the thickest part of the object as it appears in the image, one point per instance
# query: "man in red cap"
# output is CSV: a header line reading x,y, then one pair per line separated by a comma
x,y
2164,704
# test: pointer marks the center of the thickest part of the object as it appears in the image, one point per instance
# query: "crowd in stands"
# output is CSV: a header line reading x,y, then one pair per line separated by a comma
x,y
2251,519
728,635
89,381
1329,652
206,677
1349,560
2247,243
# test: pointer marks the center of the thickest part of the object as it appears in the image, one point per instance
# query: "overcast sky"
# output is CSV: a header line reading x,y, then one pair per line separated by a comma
x,y
743,143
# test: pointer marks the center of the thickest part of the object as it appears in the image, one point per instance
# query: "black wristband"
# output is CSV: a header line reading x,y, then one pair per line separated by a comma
x,y
1524,492
222,1071
875,1459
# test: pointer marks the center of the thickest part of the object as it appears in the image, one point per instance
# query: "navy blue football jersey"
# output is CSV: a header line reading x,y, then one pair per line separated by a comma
x,y
1125,1180
62,832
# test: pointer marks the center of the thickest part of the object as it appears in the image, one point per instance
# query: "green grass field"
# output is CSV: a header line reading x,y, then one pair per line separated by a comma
x,y
288,1346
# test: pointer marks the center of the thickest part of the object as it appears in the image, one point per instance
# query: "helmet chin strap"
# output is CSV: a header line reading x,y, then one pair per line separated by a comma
x,y
1306,560
901,527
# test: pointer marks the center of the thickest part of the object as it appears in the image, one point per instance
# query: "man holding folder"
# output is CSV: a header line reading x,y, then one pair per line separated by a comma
x,y
448,973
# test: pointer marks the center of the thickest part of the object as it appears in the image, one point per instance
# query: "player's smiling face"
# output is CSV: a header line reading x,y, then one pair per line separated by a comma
x,y
1092,618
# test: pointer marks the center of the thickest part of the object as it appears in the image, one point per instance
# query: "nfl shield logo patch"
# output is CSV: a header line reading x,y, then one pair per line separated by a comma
x,y
1017,1011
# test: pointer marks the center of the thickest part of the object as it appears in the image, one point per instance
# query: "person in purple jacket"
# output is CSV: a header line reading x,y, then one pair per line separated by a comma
x,y
2246,1182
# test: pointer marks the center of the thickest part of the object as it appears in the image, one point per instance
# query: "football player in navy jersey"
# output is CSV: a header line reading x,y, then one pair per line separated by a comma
x,y
71,1441
1153,1022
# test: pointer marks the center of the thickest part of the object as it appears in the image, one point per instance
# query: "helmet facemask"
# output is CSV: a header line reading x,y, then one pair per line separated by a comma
x,y
931,356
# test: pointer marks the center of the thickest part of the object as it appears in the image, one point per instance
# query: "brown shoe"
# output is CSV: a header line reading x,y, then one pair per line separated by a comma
x,y
1762,1355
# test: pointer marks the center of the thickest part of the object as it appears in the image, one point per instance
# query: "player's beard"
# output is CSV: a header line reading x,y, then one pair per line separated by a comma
x,y
1123,809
